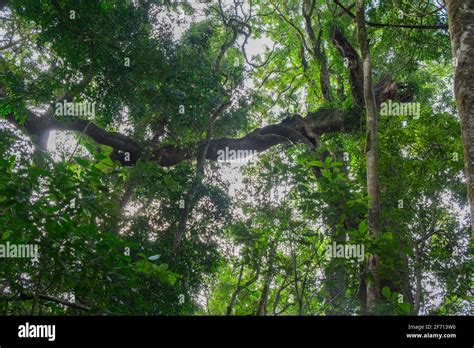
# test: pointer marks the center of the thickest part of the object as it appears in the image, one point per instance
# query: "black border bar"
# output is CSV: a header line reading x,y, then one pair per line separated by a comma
x,y
331,330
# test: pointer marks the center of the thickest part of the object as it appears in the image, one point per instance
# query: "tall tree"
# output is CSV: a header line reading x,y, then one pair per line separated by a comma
x,y
371,152
461,30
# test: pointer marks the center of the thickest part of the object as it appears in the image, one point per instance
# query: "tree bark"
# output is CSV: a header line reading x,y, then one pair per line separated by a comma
x,y
354,66
239,288
373,286
294,129
262,303
317,49
235,293
461,30
418,279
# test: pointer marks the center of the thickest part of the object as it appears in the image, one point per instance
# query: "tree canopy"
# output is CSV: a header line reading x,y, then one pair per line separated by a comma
x,y
187,157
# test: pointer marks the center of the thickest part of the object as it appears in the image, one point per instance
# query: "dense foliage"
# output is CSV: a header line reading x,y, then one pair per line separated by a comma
x,y
167,78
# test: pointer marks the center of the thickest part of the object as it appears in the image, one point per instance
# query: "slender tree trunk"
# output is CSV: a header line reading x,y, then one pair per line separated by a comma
x,y
283,286
236,292
336,276
418,279
340,87
373,286
324,77
461,30
316,48
241,287
262,303
200,161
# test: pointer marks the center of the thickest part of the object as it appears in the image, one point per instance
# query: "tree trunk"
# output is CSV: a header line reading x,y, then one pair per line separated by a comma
x,y
373,286
418,279
235,293
317,49
461,30
262,303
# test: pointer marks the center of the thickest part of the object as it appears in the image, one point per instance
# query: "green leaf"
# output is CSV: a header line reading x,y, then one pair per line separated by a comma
x,y
316,164
405,308
386,292
105,165
327,161
81,161
363,226
326,173
6,235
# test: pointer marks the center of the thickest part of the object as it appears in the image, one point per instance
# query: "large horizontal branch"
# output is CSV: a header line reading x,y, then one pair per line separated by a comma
x,y
392,25
120,143
294,129
127,147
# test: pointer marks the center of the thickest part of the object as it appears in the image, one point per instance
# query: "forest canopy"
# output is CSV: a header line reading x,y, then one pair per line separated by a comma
x,y
267,157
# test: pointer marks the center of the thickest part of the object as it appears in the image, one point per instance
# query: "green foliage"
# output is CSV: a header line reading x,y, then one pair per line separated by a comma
x,y
105,230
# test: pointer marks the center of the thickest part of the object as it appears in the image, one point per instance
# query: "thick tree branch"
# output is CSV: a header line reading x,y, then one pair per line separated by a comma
x,y
317,49
294,129
26,297
391,25
354,64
